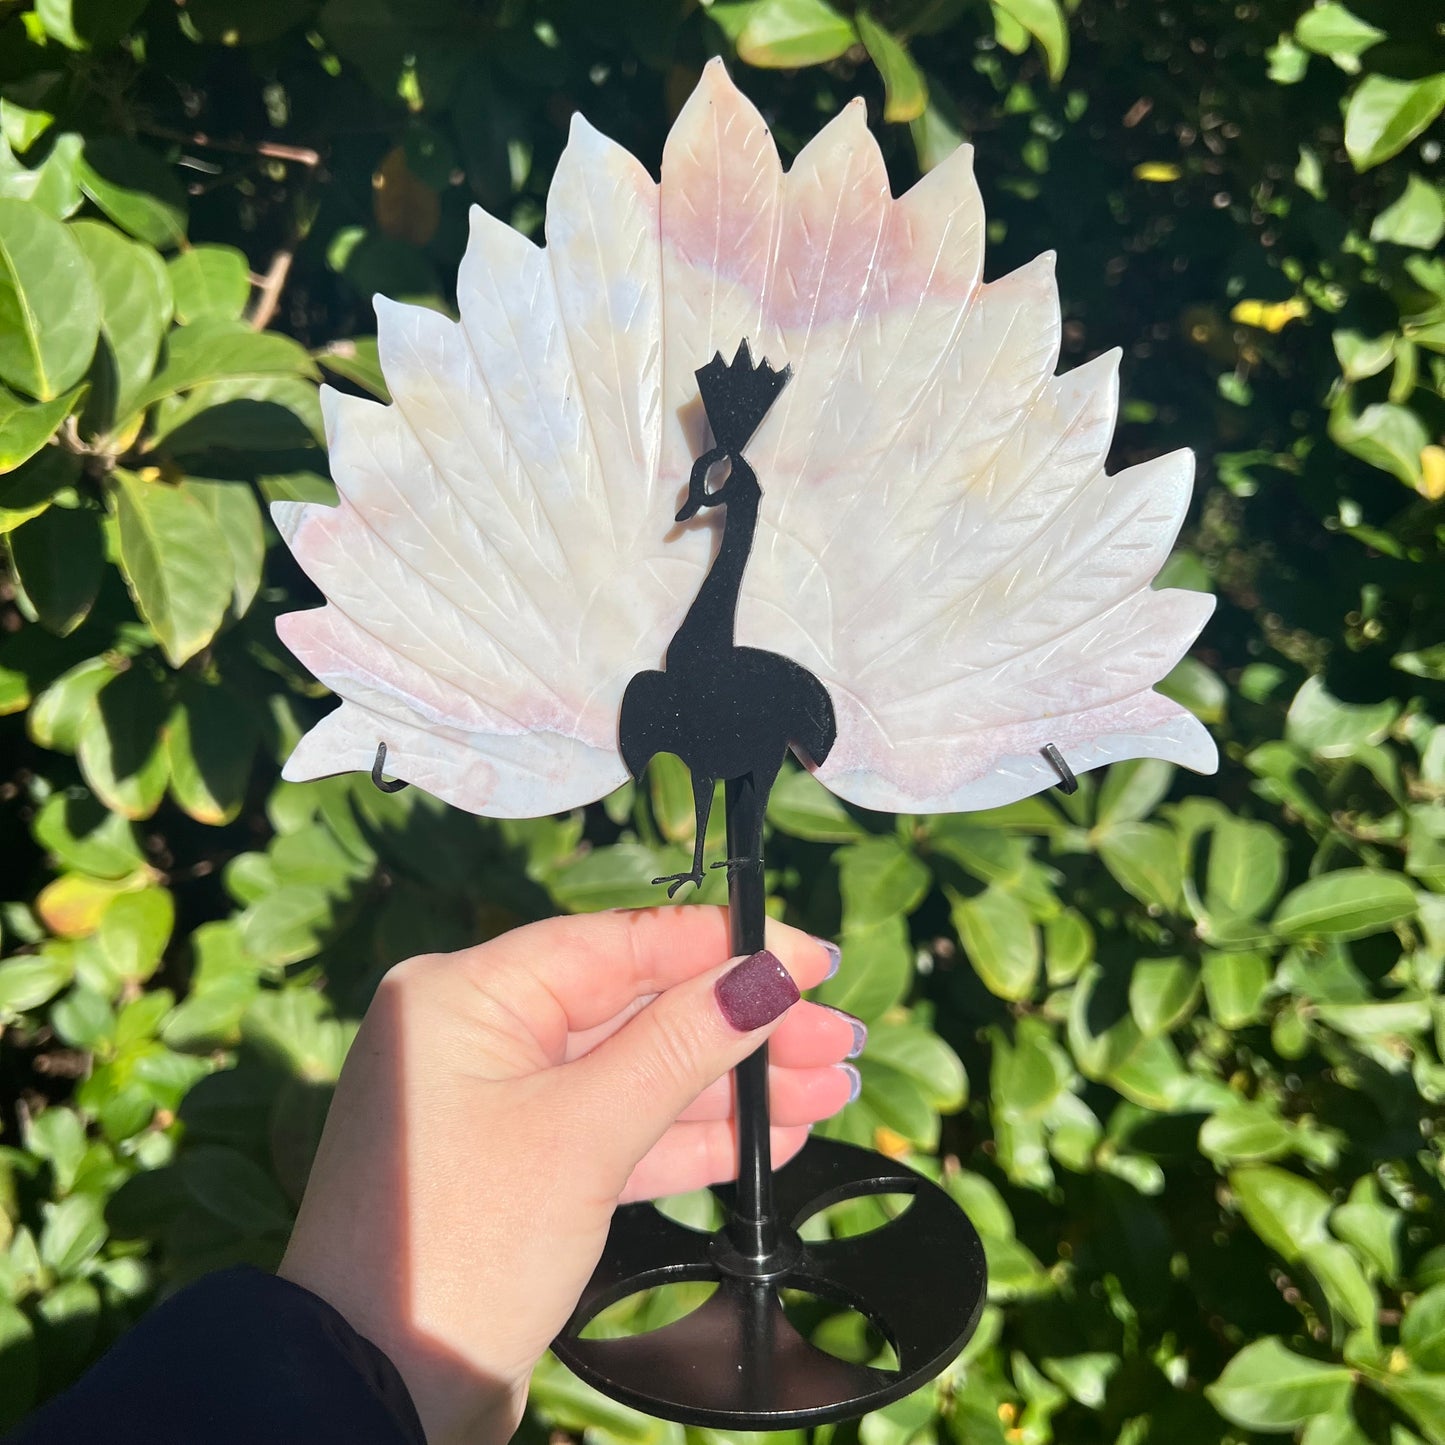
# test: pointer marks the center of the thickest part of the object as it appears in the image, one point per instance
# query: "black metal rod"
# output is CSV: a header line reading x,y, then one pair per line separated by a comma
x,y
753,1228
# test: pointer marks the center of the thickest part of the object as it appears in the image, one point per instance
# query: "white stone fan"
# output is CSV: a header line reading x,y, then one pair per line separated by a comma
x,y
938,544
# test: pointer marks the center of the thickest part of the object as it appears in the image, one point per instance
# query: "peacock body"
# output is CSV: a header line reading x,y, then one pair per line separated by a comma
x,y
937,544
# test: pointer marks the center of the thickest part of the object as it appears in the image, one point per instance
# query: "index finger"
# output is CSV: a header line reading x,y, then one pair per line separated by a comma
x,y
590,967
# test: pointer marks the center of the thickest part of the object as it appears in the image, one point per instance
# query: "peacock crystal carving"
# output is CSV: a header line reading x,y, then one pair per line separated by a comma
x,y
746,461
934,542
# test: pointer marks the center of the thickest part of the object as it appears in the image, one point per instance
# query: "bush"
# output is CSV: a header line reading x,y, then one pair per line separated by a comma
x,y
1200,1017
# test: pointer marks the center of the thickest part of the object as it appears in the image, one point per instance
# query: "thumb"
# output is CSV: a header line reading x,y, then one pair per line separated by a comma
x,y
633,1086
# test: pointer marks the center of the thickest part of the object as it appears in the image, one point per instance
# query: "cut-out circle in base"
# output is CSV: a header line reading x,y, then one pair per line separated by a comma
x,y
736,1361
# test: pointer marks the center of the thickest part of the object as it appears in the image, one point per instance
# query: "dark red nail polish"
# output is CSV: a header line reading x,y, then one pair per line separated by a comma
x,y
755,992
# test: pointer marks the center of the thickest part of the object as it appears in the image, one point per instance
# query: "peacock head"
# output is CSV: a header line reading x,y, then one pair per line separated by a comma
x,y
736,395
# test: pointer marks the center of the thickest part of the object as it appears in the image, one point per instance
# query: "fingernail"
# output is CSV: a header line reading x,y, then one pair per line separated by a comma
x,y
755,992
860,1029
835,956
855,1081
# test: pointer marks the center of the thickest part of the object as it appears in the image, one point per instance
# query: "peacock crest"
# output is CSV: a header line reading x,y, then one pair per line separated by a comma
x,y
937,543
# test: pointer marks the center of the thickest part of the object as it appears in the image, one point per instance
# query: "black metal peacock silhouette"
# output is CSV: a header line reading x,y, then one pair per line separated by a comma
x,y
729,712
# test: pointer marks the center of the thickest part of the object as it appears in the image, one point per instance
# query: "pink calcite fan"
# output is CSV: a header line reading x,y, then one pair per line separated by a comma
x,y
939,543
924,583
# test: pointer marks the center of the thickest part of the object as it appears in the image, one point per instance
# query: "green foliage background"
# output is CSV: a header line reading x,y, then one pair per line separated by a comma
x,y
1175,1043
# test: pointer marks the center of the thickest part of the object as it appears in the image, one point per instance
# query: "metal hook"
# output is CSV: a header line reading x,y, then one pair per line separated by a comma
x,y
1068,783
396,784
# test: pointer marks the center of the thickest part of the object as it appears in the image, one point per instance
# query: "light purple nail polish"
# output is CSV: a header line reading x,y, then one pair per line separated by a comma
x,y
855,1082
835,956
755,992
860,1029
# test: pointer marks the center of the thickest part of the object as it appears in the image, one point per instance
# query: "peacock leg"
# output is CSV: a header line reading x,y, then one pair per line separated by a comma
x,y
761,781
702,789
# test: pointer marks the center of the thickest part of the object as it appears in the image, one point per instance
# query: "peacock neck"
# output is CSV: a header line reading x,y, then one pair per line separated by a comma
x,y
707,630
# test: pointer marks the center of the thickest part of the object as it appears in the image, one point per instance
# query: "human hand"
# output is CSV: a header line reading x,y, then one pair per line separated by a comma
x,y
500,1102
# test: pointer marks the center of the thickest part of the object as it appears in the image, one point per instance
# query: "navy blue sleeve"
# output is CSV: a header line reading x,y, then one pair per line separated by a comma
x,y
237,1358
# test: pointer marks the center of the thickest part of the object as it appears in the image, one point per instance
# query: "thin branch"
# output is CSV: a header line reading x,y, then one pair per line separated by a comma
x,y
272,150
272,285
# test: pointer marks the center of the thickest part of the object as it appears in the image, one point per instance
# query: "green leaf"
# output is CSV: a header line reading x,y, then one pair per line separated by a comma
x,y
1144,860
1373,1228
1085,1377
616,877
1131,791
54,721
1234,984
58,1136
1001,941
786,34
1384,115
1343,1282
134,932
1416,218
1068,946
1269,1388
25,427
1386,436
876,970
1246,868
905,91
1163,992
1245,1133
216,350
79,833
120,747
1028,1075
135,307
237,514
209,282
1422,1332
175,561
52,185
1284,1210
74,1232
49,310
924,1057
210,742
1329,29
356,360
26,983
1348,903
802,807
88,24
136,189
1362,356
880,878
1044,20
293,1027
1420,1396
670,789
1336,1427
228,1185
1329,728
59,559
1382,1019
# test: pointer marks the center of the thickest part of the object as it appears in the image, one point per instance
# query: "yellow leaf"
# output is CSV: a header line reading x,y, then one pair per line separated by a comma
x,y
1432,473
1270,316
72,905
886,1142
1158,171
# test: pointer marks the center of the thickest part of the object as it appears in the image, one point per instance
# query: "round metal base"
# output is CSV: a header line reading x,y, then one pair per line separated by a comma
x,y
736,1361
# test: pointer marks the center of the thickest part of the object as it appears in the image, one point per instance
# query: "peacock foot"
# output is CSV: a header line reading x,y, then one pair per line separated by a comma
x,y
733,865
676,880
